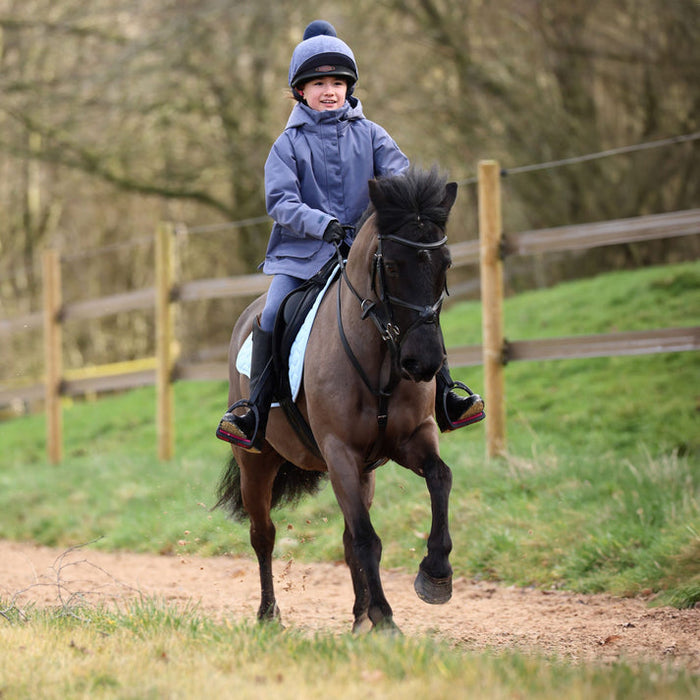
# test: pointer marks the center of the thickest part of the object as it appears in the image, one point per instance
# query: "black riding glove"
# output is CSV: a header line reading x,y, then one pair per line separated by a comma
x,y
334,232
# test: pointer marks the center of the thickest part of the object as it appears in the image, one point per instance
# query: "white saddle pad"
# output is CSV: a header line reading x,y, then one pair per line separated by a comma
x,y
298,350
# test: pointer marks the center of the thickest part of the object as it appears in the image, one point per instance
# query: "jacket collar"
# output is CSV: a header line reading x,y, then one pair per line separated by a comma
x,y
305,116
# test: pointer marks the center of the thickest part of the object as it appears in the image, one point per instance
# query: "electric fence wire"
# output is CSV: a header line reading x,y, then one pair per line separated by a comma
x,y
110,248
549,165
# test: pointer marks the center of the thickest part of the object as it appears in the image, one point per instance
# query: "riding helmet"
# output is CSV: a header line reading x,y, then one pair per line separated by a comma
x,y
321,53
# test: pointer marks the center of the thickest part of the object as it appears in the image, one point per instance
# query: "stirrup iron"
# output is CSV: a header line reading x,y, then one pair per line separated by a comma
x,y
244,442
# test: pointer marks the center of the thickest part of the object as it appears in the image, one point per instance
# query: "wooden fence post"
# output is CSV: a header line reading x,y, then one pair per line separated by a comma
x,y
53,360
165,343
491,265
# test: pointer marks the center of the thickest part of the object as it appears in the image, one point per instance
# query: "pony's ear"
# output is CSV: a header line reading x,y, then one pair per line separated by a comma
x,y
375,194
450,195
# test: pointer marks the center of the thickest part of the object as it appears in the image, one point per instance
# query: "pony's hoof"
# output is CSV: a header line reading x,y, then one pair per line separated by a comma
x,y
387,626
270,615
435,591
362,625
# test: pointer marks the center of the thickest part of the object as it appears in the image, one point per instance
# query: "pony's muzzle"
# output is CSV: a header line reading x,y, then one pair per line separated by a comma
x,y
420,369
422,353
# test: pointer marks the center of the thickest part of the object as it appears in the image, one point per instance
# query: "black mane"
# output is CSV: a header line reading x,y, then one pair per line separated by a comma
x,y
406,198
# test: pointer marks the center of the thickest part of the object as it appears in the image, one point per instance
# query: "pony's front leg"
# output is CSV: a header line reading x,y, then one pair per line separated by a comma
x,y
362,622
433,583
363,548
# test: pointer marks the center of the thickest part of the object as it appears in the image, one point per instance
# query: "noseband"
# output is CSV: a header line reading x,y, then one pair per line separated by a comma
x,y
381,313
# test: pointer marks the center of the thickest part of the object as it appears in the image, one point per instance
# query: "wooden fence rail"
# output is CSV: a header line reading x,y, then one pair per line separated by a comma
x,y
489,251
567,348
579,237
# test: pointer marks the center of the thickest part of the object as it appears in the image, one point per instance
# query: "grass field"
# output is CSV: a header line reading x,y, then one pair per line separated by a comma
x,y
600,491
151,651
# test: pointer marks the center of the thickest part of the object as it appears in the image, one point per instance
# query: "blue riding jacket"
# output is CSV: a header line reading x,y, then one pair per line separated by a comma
x,y
317,171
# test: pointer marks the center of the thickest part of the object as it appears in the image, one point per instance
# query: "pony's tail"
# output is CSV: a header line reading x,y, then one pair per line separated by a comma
x,y
229,491
291,484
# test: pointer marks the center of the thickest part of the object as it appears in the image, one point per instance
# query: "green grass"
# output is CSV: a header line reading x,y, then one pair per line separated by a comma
x,y
617,404
149,650
600,490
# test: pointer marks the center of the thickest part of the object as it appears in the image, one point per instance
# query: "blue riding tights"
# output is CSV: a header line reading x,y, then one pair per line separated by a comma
x,y
280,286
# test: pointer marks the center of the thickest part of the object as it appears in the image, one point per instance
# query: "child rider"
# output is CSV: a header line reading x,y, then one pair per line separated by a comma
x,y
315,181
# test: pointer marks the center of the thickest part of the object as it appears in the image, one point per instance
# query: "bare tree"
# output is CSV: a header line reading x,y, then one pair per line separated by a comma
x,y
536,81
166,99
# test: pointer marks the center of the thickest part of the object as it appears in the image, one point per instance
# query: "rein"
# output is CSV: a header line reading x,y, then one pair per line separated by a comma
x,y
380,312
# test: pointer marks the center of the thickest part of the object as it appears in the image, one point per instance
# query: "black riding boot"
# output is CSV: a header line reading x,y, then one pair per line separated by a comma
x,y
453,411
247,429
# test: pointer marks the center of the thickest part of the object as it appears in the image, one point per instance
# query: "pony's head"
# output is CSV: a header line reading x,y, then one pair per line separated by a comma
x,y
410,264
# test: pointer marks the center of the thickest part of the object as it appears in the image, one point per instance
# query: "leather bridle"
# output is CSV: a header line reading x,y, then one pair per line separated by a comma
x,y
426,314
380,311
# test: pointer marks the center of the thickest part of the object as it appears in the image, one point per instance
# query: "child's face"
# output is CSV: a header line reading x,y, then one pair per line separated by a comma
x,y
325,93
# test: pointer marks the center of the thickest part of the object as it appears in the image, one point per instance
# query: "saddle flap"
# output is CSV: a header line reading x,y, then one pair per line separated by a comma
x,y
290,337
293,325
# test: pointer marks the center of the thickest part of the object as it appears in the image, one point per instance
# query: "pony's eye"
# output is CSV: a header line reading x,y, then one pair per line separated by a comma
x,y
391,269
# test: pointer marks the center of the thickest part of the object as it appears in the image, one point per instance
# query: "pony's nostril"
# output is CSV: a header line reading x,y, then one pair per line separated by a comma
x,y
416,370
410,365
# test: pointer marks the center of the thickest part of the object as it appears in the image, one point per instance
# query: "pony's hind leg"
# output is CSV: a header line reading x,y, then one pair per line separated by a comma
x,y
262,537
258,472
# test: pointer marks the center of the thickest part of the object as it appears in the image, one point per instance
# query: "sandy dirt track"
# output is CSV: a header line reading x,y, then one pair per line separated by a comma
x,y
318,597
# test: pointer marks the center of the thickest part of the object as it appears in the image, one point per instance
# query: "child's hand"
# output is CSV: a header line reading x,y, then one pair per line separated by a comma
x,y
334,232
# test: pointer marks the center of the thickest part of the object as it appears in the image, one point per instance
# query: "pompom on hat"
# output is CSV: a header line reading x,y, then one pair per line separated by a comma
x,y
319,27
321,53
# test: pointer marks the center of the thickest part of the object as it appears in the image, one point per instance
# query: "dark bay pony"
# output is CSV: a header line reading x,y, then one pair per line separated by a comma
x,y
368,395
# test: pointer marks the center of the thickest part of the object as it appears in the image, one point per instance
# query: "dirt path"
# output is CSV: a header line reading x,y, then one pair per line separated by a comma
x,y
319,597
